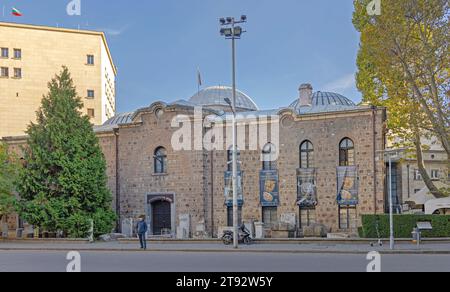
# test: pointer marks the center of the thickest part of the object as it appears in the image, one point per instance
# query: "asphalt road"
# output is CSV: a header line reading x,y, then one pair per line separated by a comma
x,y
12,261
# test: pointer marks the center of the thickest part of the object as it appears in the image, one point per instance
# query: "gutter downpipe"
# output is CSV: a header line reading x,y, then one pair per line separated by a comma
x,y
118,225
374,161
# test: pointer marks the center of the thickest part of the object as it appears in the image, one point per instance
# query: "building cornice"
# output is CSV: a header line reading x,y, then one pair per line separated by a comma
x,y
66,30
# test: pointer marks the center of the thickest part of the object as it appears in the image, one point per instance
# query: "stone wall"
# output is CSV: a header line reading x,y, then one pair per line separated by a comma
x,y
195,179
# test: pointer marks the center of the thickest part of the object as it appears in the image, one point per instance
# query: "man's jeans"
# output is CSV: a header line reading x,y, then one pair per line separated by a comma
x,y
143,241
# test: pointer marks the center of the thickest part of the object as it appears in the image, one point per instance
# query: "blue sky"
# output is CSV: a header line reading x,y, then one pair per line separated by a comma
x,y
157,45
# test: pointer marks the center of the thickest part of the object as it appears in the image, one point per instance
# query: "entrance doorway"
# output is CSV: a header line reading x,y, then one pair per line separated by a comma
x,y
161,217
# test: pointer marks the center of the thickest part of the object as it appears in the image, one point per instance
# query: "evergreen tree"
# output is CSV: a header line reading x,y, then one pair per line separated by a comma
x,y
63,185
8,174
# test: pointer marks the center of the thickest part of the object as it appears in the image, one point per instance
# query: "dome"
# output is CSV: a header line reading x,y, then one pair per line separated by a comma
x,y
323,99
215,97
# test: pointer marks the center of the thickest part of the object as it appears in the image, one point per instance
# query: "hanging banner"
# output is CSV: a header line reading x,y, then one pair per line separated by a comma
x,y
229,188
306,188
347,182
269,188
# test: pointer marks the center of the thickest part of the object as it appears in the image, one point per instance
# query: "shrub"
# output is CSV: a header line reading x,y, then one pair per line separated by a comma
x,y
404,225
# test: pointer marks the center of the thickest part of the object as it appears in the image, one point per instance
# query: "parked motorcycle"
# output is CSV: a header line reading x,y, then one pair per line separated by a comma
x,y
244,236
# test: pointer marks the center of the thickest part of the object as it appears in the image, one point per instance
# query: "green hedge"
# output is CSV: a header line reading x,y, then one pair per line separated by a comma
x,y
404,225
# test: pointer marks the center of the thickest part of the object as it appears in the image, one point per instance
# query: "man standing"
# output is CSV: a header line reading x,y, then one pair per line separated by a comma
x,y
142,230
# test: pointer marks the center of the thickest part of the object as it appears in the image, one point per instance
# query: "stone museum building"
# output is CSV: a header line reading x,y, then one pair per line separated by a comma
x,y
316,164
326,171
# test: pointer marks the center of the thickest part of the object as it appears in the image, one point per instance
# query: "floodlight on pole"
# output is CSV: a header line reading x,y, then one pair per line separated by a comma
x,y
233,32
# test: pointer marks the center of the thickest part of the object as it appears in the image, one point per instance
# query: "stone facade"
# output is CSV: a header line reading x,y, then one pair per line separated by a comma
x,y
194,181
196,178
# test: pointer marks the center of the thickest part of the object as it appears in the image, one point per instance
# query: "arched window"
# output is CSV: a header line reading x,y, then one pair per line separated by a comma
x,y
346,152
230,159
160,160
306,155
269,157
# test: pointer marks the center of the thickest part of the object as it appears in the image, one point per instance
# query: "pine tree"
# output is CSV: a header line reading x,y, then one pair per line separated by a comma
x,y
8,174
63,185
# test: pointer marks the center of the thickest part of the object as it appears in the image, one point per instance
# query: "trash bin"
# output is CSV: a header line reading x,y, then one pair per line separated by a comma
x,y
19,233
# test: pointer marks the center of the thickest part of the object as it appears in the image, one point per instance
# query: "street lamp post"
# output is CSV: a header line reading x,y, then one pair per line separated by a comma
x,y
233,32
391,209
389,155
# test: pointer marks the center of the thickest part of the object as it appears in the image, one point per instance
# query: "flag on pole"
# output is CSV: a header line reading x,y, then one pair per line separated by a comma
x,y
199,78
16,12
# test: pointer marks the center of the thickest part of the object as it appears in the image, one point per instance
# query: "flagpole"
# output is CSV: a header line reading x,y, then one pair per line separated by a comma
x,y
199,80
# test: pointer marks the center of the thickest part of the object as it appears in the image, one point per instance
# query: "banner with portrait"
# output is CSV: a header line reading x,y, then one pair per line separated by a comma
x,y
229,188
306,188
269,188
347,182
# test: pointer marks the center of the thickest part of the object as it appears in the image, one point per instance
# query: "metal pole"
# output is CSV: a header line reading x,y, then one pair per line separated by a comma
x,y
391,209
235,195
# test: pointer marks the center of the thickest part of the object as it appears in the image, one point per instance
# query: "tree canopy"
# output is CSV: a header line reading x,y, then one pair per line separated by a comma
x,y
8,174
403,64
63,185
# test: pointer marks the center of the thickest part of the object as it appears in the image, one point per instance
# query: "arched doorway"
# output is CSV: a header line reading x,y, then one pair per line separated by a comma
x,y
161,217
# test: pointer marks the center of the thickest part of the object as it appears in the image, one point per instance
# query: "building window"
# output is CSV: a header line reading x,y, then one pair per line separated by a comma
x,y
346,153
90,60
17,54
90,94
268,157
5,53
17,73
270,215
230,159
4,72
417,175
230,216
91,113
435,174
160,160
306,155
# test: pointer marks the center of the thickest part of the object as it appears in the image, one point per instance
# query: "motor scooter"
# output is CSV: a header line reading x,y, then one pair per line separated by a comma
x,y
244,236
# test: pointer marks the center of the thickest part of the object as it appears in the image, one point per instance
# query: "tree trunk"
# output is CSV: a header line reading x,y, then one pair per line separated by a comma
x,y
437,123
423,172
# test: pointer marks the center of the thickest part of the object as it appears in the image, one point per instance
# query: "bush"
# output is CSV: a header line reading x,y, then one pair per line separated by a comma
x,y
404,225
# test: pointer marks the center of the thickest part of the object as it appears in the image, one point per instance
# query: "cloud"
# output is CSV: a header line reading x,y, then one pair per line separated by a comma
x,y
114,31
341,84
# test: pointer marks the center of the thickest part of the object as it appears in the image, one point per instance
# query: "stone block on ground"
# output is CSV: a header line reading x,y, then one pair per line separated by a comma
x,y
340,235
315,230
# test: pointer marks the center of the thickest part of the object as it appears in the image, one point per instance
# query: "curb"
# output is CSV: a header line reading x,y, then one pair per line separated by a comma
x,y
386,252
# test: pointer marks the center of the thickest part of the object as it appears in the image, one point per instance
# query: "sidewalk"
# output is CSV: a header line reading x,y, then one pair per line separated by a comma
x,y
327,248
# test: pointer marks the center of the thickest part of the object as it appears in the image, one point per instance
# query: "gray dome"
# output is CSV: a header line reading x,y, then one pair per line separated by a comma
x,y
320,99
215,97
